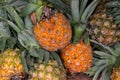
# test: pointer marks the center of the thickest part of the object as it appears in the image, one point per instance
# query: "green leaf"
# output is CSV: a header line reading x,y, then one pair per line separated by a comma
x,y
4,30
38,13
27,39
23,40
57,58
46,56
29,9
24,63
41,55
30,60
17,3
117,49
33,52
92,70
83,4
89,10
2,43
11,24
11,42
28,23
16,17
60,5
101,53
98,72
86,38
75,10
104,75
100,62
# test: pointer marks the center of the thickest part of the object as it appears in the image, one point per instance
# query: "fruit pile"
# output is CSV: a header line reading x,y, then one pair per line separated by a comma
x,y
59,40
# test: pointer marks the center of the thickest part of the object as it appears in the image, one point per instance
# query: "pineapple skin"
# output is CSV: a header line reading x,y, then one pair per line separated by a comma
x,y
10,65
49,71
115,74
77,57
54,33
102,26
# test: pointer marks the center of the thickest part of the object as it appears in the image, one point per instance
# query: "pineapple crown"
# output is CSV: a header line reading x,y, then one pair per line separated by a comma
x,y
105,58
78,13
6,38
113,9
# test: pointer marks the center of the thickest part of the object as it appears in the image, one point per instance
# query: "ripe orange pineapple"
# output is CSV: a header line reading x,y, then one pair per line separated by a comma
x,y
53,32
77,58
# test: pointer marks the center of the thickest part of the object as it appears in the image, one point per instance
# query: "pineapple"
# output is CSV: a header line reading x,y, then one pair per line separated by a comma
x,y
115,74
77,56
10,65
52,30
104,23
49,71
105,59
53,33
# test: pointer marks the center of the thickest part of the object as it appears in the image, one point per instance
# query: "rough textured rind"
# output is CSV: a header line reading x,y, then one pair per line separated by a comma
x,y
10,65
53,33
77,58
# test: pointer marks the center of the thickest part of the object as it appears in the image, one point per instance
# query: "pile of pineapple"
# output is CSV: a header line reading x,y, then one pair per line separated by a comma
x,y
49,39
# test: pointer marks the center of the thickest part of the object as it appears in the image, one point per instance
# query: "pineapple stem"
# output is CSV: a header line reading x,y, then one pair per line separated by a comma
x,y
78,31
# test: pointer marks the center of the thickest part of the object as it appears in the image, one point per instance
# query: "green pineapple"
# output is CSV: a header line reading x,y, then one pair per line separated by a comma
x,y
104,23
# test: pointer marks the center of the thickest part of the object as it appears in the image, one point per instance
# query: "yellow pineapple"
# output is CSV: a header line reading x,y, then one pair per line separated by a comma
x,y
11,66
49,71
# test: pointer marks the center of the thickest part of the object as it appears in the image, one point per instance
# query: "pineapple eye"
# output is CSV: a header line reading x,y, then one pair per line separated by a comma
x,y
49,31
65,34
52,40
66,54
57,32
54,23
80,51
74,56
42,28
69,61
83,58
44,38
85,65
64,25
77,63
72,48
47,47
